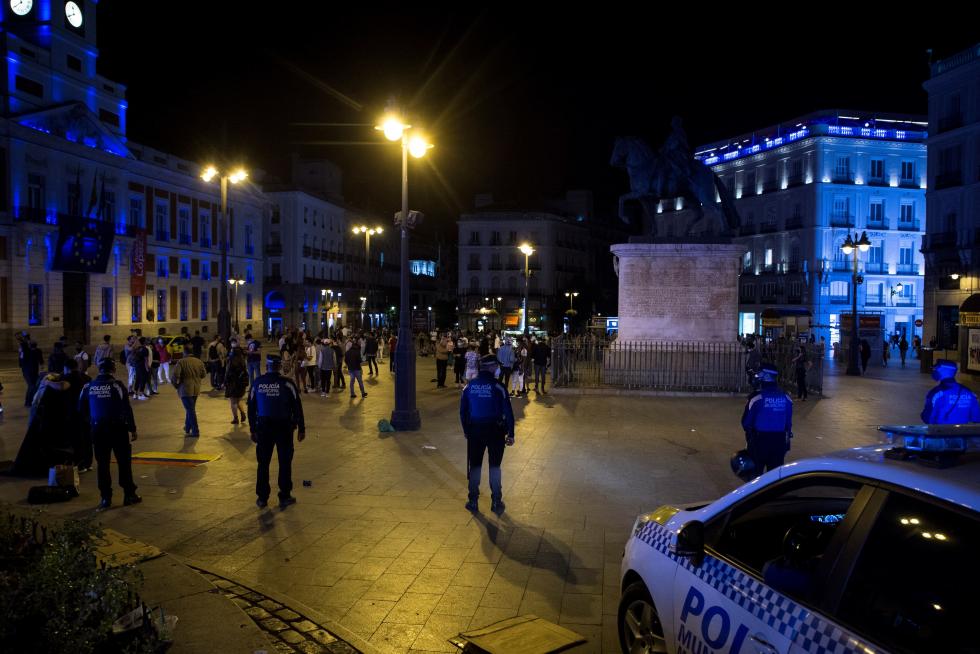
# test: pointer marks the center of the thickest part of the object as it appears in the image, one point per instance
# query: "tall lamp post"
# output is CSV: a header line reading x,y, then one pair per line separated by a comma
x,y
405,416
528,251
235,283
851,248
571,295
224,317
368,233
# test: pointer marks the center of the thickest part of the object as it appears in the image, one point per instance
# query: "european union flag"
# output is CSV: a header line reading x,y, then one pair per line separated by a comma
x,y
84,245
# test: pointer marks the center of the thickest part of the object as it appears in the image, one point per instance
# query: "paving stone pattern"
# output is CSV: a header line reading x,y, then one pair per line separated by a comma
x,y
380,542
288,630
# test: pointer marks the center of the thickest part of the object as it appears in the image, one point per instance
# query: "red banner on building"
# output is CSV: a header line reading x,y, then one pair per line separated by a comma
x,y
137,266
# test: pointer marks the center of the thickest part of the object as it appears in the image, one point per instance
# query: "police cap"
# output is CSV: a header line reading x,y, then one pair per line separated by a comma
x,y
943,368
107,366
768,373
273,362
489,363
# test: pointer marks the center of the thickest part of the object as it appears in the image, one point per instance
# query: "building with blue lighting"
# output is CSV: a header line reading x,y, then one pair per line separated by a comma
x,y
801,187
99,235
952,246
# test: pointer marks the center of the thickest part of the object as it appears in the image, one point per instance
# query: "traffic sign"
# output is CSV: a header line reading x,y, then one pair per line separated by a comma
x,y
918,322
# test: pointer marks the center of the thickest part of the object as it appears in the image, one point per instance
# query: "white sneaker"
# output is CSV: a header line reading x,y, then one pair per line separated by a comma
x,y
142,397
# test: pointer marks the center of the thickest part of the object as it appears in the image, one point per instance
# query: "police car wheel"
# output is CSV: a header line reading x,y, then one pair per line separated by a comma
x,y
640,629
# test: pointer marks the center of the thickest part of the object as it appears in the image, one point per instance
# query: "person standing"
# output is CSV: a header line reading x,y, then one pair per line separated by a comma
x,y
488,425
800,366
324,363
104,351
768,422
164,354
371,354
30,359
216,362
459,363
392,344
56,362
236,382
353,361
442,361
197,344
338,365
124,359
81,357
186,376
903,349
153,381
274,411
472,362
884,354
505,354
253,359
865,354
104,403
138,361
542,360
949,402
69,388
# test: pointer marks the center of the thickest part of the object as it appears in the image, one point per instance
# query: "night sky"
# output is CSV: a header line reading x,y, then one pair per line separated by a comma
x,y
520,105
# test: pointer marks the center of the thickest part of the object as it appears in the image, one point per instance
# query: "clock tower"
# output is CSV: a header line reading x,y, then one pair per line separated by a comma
x,y
50,60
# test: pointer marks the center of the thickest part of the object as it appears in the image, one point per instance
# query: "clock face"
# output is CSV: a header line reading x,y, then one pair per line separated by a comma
x,y
21,7
73,13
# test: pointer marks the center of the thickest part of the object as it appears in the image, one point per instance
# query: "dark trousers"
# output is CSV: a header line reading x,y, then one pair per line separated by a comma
x,y
31,380
82,444
358,376
441,365
540,375
372,363
801,383
109,441
480,439
278,436
768,450
338,378
190,415
253,370
325,376
460,372
505,376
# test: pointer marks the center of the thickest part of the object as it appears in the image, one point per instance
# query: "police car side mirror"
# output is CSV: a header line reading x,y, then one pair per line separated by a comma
x,y
690,541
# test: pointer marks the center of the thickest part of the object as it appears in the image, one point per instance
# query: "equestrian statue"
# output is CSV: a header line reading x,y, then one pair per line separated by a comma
x,y
669,173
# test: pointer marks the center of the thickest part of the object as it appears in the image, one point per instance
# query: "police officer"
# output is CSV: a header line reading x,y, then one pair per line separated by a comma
x,y
488,424
949,403
768,421
274,411
104,402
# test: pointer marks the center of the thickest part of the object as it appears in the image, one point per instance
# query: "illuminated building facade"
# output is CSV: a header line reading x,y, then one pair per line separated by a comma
x,y
801,187
99,235
952,246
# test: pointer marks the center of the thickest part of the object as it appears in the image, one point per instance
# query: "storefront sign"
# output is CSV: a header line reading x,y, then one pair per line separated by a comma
x,y
137,265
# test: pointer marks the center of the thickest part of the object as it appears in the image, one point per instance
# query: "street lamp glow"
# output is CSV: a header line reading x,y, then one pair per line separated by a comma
x,y
954,276
209,173
238,176
418,145
526,249
847,248
392,127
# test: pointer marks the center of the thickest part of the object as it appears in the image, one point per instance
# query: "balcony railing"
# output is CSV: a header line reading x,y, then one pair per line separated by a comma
x,y
842,177
875,268
794,180
30,214
163,235
474,266
746,230
905,301
840,299
841,220
205,242
273,249
307,251
769,299
871,301
794,222
794,299
907,269
909,226
949,180
496,266
908,182
876,223
249,249
184,239
767,228
877,181
843,265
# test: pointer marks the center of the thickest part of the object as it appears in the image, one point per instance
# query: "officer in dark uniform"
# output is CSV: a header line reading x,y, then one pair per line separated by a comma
x,y
274,411
768,421
488,424
104,402
949,403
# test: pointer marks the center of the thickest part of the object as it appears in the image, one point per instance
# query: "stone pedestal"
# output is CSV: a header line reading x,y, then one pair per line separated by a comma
x,y
678,291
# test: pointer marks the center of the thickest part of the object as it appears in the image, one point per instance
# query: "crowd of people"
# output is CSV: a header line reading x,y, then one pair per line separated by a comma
x,y
523,360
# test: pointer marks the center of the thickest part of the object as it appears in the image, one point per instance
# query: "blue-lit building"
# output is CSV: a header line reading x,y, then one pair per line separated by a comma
x,y
83,210
801,187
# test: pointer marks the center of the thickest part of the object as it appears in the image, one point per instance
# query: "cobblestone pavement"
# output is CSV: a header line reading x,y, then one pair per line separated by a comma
x,y
380,542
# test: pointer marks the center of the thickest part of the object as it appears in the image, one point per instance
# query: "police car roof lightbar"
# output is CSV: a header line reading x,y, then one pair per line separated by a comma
x,y
934,445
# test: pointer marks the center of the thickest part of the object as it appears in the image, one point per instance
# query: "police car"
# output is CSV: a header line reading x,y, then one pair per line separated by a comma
x,y
872,549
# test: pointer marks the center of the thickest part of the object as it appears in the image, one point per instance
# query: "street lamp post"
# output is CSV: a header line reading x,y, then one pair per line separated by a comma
x,y
405,416
852,247
528,251
235,283
368,232
224,317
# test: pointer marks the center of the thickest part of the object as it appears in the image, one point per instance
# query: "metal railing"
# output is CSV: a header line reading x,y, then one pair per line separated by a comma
x,y
672,366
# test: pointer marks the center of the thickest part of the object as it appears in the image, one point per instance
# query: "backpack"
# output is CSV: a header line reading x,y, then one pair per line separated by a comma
x,y
213,352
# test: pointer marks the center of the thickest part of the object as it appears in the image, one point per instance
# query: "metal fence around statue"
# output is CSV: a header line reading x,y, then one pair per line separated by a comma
x,y
673,366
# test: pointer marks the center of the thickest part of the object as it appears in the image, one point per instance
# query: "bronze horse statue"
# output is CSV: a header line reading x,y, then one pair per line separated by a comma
x,y
667,174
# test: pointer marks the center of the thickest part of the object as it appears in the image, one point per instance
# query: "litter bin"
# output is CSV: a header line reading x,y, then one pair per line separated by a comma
x,y
925,359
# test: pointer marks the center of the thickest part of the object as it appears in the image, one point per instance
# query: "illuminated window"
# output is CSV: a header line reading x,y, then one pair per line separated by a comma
x,y
908,171
768,256
204,305
248,306
183,305
877,169
106,305
161,305
136,308
35,304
